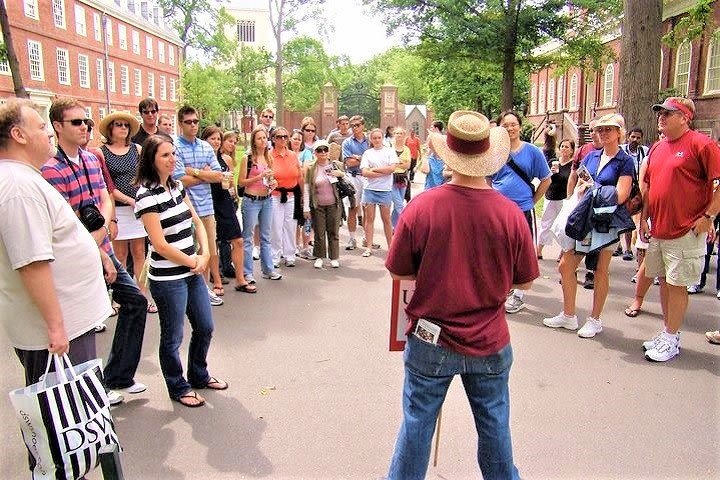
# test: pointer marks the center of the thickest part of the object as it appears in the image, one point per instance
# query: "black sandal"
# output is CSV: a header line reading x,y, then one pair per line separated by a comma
x,y
215,384
193,395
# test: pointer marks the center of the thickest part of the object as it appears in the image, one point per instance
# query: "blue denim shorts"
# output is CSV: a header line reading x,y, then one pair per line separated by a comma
x,y
377,197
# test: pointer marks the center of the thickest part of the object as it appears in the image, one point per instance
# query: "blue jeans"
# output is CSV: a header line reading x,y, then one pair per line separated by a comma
x,y
174,299
129,331
398,198
256,212
429,369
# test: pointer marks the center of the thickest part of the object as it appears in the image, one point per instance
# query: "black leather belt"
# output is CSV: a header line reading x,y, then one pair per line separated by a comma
x,y
255,197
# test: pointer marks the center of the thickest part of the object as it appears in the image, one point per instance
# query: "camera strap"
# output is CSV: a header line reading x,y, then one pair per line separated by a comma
x,y
72,169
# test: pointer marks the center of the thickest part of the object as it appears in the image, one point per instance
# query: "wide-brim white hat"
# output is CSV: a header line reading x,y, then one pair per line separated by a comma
x,y
471,147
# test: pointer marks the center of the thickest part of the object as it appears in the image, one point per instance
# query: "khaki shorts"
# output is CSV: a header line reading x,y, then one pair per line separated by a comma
x,y
210,229
679,260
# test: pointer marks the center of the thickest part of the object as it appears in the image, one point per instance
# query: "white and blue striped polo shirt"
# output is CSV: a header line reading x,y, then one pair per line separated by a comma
x,y
176,223
197,154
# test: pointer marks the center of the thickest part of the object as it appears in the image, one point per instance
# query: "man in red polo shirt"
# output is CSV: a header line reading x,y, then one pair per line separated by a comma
x,y
683,168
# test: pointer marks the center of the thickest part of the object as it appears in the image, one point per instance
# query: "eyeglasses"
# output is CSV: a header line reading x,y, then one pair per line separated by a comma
x,y
604,129
355,125
281,137
268,116
149,112
194,121
322,150
666,113
121,124
310,130
76,122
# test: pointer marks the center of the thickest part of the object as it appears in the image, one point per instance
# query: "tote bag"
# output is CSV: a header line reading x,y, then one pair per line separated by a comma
x,y
65,419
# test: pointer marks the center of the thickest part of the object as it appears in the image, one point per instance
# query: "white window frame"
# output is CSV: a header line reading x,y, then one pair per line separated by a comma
x,y
573,100
136,42
108,31
149,47
111,76
138,82
173,90
88,112
83,71
609,85
541,98
685,47
39,75
551,95
712,65
122,37
80,21
163,88
102,111
161,52
124,80
62,56
171,55
533,98
30,8
58,11
97,26
560,93
100,72
4,64
151,85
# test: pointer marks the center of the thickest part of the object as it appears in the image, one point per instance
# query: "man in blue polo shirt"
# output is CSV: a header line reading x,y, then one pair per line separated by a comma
x,y
352,151
196,166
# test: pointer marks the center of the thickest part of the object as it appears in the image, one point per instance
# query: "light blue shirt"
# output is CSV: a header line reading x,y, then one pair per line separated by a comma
x,y
434,176
531,160
197,154
352,146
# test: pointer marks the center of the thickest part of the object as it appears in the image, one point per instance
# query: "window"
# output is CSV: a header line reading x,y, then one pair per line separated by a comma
x,y
163,88
609,83
156,16
574,92
136,42
151,84
560,93
4,64
712,76
31,9
131,6
144,9
172,90
88,112
111,76
80,25
541,98
35,57
533,99
102,112
100,71
58,9
84,71
682,68
138,83
161,52
97,26
149,47
551,95
122,37
124,80
245,30
63,67
171,55
108,31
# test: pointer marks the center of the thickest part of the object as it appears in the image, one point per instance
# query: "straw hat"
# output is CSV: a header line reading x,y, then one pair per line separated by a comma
x,y
471,147
104,126
609,120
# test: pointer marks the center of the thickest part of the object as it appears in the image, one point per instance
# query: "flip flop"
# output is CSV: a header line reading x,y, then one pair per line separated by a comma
x,y
196,401
632,312
215,384
219,291
247,288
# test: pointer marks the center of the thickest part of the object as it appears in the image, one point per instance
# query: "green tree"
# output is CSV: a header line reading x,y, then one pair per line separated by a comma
x,y
248,78
199,24
402,67
208,89
306,70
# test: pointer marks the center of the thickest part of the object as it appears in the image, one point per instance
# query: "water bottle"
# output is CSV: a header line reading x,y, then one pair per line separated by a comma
x,y
307,228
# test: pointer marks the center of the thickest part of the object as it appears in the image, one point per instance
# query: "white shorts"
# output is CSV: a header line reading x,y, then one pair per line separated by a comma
x,y
129,227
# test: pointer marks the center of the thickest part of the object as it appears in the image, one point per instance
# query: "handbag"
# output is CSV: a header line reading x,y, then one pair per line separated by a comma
x,y
634,203
65,419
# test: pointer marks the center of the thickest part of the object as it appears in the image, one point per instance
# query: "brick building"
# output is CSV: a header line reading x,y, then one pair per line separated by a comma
x,y
109,54
692,69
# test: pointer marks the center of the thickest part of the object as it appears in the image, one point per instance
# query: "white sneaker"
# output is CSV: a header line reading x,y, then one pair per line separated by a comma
x,y
272,275
591,328
562,320
136,387
718,295
693,289
101,327
650,344
256,253
667,346
318,263
336,264
114,397
514,304
215,301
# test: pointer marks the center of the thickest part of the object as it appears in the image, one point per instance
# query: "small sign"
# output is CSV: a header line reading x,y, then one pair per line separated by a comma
x,y
402,292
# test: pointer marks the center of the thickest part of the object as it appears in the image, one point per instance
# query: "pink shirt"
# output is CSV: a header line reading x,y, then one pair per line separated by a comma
x,y
324,194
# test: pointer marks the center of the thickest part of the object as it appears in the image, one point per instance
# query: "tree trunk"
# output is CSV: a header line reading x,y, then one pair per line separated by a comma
x,y
640,65
510,45
277,31
20,91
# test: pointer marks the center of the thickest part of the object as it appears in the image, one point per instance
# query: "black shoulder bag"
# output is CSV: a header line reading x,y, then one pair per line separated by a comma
x,y
241,188
511,163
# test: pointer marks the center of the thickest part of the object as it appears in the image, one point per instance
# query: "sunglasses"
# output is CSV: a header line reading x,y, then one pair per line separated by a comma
x,y
310,130
76,122
355,125
604,129
268,116
281,137
121,124
322,150
149,112
191,122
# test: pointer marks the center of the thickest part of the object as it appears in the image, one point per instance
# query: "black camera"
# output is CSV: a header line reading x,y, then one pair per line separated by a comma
x,y
91,217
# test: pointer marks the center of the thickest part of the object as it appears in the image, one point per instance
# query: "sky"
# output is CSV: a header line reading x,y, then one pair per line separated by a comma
x,y
356,33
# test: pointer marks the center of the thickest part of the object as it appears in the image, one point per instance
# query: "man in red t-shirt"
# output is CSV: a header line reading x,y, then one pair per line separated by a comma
x,y
449,240
681,204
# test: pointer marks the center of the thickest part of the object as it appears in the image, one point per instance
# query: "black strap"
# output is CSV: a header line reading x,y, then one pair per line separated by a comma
x,y
72,169
511,163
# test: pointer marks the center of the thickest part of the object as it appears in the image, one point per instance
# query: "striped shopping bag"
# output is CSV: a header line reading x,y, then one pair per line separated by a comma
x,y
65,419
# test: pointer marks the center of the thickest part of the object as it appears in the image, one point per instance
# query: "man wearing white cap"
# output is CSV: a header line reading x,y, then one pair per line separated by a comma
x,y
457,314
683,168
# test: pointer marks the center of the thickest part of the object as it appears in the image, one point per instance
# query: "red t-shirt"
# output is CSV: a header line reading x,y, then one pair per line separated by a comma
x,y
414,145
467,248
680,175
581,153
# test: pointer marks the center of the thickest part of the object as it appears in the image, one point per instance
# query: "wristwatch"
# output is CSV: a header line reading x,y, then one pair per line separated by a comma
x,y
195,172
711,217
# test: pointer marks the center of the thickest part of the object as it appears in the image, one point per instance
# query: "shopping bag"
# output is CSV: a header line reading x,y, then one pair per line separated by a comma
x,y
558,227
65,419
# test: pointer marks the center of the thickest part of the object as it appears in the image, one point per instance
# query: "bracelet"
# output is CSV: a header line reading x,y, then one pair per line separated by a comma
x,y
114,220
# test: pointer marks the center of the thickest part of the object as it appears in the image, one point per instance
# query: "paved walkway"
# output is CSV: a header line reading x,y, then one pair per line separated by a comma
x,y
314,392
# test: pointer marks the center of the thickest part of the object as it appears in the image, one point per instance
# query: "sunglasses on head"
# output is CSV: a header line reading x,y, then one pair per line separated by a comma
x,y
194,121
283,137
268,116
121,124
76,122
322,149
149,112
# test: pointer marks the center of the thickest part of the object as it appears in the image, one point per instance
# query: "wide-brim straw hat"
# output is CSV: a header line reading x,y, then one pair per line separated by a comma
x,y
104,126
471,147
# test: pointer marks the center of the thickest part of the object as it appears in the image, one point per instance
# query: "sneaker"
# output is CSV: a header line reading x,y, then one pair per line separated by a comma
x,y
627,256
114,397
713,337
336,264
693,289
374,245
650,344
272,275
562,320
618,251
256,253
718,295
250,279
352,244
666,347
289,263
514,304
136,387
589,282
318,263
101,327
634,279
591,328
215,301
